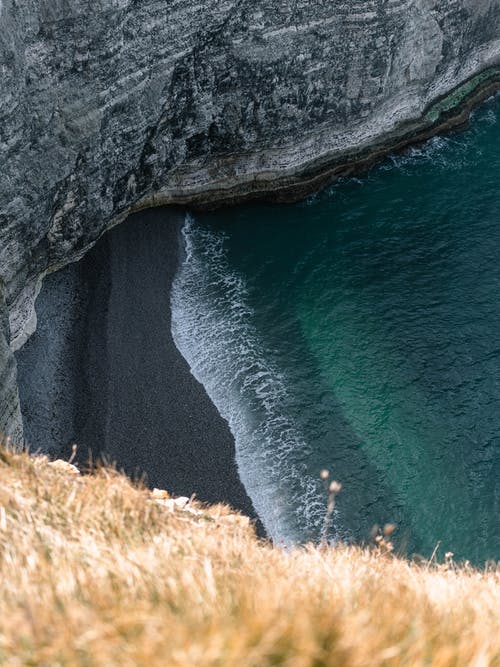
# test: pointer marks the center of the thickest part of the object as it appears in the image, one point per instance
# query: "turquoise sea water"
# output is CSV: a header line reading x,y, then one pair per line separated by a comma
x,y
360,332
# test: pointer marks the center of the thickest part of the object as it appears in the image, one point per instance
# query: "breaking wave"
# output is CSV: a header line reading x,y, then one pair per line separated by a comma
x,y
212,327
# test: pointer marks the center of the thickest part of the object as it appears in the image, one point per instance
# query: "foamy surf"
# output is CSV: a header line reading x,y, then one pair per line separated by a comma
x,y
212,327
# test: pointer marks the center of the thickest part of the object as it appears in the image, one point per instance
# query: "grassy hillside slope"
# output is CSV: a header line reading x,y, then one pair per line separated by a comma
x,y
98,572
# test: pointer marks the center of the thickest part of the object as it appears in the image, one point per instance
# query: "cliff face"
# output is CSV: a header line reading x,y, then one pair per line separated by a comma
x,y
10,413
111,105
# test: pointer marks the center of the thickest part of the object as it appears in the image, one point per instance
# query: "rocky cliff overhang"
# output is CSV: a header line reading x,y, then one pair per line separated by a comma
x,y
107,106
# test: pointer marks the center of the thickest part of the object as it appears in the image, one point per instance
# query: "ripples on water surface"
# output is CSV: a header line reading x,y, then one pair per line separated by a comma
x,y
360,332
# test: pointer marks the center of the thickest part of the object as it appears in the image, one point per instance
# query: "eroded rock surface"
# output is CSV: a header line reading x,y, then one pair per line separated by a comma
x,y
10,413
110,105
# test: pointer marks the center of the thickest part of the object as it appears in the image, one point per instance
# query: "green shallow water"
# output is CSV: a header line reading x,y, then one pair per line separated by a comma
x,y
360,332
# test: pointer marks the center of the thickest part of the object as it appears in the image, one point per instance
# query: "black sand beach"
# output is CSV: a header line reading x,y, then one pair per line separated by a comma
x,y
103,371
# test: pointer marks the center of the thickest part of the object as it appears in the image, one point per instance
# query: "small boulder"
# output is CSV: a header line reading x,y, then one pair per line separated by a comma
x,y
160,494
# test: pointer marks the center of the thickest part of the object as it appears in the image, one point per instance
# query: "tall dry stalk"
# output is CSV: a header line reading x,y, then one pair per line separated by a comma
x,y
332,489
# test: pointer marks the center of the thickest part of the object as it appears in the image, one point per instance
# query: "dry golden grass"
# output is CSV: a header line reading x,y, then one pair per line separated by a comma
x,y
97,572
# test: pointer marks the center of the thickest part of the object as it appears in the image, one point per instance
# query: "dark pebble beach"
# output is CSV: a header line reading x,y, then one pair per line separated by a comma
x,y
103,371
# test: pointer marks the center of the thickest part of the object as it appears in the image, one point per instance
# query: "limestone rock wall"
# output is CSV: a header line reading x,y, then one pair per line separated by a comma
x,y
110,105
10,412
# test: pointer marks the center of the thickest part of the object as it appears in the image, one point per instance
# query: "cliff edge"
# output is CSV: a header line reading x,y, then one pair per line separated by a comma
x,y
99,573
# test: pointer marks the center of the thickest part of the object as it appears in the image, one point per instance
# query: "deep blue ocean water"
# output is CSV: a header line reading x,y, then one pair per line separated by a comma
x,y
360,332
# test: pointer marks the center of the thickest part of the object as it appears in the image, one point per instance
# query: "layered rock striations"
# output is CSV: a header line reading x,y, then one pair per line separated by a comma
x,y
10,412
113,105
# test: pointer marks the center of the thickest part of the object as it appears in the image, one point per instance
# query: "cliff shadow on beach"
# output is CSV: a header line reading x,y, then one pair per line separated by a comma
x,y
102,370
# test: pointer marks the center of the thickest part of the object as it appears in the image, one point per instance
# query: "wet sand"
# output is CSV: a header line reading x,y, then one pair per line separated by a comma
x,y
114,381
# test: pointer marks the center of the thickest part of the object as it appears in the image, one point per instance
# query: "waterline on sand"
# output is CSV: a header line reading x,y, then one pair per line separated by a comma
x,y
212,327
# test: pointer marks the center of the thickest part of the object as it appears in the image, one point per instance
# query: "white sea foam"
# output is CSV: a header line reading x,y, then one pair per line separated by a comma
x,y
452,150
212,324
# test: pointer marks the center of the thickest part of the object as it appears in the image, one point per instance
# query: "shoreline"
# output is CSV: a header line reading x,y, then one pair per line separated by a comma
x,y
120,375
